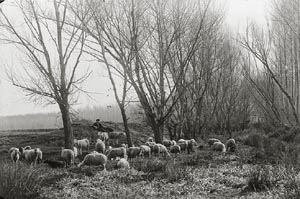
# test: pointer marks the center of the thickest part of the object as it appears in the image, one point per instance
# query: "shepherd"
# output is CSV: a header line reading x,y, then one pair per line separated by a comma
x,y
99,127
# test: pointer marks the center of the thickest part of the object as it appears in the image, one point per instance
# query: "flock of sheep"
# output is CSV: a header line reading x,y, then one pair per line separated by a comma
x,y
104,153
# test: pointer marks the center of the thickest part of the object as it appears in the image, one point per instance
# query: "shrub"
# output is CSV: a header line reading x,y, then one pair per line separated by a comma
x,y
292,185
174,172
254,140
290,136
262,178
19,181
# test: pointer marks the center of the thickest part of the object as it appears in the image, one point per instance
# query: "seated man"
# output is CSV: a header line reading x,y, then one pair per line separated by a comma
x,y
98,126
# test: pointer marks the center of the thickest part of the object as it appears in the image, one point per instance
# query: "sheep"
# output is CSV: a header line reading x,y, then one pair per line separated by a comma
x,y
231,145
123,164
167,143
115,136
155,149
145,151
55,163
100,146
163,149
27,147
173,142
117,152
75,149
68,156
219,146
151,145
133,152
94,159
39,155
150,139
175,149
83,143
109,148
183,144
103,136
15,155
31,155
190,145
12,149
211,141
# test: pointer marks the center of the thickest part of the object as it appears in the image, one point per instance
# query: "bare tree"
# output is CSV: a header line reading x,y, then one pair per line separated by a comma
x,y
53,50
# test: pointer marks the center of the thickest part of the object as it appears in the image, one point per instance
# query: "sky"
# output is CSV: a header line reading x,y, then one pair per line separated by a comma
x,y
14,102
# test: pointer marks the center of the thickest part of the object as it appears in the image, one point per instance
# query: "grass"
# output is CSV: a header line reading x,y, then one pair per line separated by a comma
x,y
19,181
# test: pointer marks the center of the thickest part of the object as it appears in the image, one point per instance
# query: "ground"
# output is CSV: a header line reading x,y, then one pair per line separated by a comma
x,y
202,174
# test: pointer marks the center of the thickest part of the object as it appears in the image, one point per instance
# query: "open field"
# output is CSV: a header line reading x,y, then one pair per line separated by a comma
x,y
202,174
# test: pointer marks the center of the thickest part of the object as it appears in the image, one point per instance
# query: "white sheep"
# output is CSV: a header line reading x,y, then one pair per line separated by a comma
x,y
15,154
163,149
27,147
123,164
83,143
219,146
117,152
94,159
103,136
231,145
173,142
151,145
39,155
175,149
145,151
12,149
31,155
100,146
183,144
211,141
133,152
68,156
190,145
75,149
115,136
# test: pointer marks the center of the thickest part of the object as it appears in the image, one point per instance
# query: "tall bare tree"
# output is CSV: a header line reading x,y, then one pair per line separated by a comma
x,y
53,49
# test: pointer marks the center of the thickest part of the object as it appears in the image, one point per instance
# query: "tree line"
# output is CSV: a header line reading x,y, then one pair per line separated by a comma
x,y
188,72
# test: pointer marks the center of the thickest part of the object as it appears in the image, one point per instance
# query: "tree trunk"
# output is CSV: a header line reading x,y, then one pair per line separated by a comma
x,y
68,131
128,136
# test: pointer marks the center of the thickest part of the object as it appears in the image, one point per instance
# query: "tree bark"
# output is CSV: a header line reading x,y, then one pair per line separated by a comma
x,y
68,131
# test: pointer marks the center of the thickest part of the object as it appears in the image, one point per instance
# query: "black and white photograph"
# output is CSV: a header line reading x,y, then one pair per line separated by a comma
x,y
149,99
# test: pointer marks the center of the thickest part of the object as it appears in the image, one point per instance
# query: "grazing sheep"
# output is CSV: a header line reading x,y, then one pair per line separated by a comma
x,y
190,145
55,163
75,149
27,147
173,142
12,149
117,152
150,139
15,155
219,146
155,149
163,149
183,144
103,136
31,155
83,143
125,146
68,156
167,143
100,146
109,148
145,151
114,136
133,152
39,155
175,149
211,141
231,145
94,159
123,164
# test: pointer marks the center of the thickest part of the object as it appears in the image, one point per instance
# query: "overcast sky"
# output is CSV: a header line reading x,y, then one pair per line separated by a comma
x,y
13,101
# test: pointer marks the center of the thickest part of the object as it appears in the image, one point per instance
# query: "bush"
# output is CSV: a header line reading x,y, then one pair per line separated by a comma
x,y
254,140
290,136
19,181
262,178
